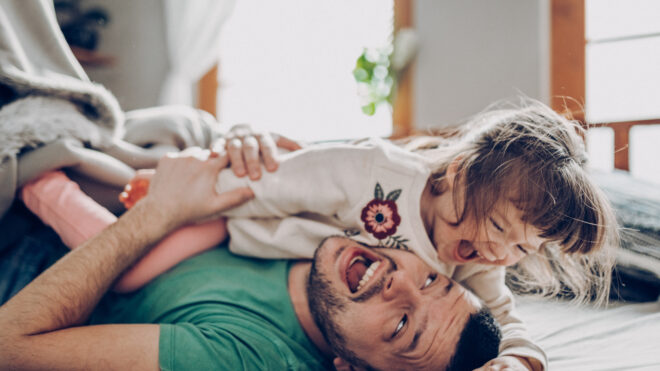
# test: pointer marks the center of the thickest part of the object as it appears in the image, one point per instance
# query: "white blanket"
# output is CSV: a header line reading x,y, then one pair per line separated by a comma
x,y
624,337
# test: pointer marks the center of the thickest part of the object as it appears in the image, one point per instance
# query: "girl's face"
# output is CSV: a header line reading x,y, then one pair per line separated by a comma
x,y
502,239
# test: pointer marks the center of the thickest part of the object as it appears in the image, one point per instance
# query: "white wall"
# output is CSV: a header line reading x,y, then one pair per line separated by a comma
x,y
474,52
135,37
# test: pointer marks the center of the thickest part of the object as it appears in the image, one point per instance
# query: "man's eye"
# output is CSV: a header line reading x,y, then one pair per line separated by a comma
x,y
521,249
497,226
429,280
400,325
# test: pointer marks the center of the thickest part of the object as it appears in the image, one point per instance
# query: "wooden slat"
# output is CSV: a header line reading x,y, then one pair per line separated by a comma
x,y
207,91
622,147
567,65
402,110
622,139
629,123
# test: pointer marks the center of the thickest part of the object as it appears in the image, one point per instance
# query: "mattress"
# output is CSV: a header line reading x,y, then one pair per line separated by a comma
x,y
621,337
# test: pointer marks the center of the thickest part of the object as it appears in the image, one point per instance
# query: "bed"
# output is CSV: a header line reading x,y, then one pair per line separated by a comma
x,y
625,336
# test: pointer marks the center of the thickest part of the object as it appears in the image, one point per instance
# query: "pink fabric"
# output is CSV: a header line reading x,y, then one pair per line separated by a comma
x,y
60,203
76,217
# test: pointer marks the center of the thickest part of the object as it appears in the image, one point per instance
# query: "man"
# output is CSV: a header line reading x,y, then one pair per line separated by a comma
x,y
372,308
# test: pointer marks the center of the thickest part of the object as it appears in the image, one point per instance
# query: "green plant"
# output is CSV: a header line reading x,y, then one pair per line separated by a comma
x,y
375,78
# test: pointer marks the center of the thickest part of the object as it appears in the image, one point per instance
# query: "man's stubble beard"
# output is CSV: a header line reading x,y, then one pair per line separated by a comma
x,y
324,302
326,305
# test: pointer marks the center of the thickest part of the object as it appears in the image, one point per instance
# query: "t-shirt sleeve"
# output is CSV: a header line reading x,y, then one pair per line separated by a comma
x,y
488,284
207,347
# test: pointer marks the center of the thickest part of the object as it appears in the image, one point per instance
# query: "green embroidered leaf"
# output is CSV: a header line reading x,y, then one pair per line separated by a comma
x,y
392,196
351,232
378,192
397,242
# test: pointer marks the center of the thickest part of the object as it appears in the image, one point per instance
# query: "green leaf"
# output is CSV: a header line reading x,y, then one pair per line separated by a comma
x,y
363,63
360,74
369,109
378,192
392,196
396,242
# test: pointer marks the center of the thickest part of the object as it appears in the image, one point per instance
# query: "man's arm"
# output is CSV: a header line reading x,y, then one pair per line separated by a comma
x,y
38,323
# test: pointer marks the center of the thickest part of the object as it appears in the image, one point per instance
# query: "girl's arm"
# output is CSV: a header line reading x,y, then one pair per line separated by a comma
x,y
76,217
487,282
324,179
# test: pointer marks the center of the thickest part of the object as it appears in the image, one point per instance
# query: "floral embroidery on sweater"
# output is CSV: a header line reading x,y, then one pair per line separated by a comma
x,y
381,218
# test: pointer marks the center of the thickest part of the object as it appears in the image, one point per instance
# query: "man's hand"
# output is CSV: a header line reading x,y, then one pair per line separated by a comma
x,y
509,363
183,188
244,147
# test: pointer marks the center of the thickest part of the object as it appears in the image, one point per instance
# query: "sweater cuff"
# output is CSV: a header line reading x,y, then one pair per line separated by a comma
x,y
527,352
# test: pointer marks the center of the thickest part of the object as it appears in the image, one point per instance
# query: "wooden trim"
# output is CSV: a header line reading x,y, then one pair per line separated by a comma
x,y
207,91
622,146
568,78
622,139
567,54
402,108
627,123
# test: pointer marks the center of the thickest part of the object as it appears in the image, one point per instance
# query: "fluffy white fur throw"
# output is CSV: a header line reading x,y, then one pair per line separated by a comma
x,y
35,120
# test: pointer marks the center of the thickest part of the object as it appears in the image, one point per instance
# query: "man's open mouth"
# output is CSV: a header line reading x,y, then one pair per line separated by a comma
x,y
360,269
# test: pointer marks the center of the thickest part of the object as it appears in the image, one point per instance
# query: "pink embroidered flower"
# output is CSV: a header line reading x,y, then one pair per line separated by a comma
x,y
380,218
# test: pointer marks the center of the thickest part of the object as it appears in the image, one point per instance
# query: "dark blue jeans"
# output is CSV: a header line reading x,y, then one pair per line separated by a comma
x,y
24,260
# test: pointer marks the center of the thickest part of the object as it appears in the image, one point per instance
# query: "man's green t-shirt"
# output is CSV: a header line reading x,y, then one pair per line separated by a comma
x,y
218,311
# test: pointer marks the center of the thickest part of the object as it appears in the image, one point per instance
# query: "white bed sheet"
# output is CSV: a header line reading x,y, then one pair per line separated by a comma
x,y
621,337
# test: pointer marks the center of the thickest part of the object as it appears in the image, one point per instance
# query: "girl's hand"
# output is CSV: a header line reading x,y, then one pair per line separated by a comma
x,y
137,187
508,363
244,146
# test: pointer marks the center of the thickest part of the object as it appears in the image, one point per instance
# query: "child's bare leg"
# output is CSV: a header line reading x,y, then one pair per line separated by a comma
x,y
176,247
76,217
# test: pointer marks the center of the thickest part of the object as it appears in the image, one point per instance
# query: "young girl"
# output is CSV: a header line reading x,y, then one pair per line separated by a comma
x,y
511,188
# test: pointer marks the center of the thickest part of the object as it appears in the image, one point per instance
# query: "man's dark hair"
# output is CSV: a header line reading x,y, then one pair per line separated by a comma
x,y
479,342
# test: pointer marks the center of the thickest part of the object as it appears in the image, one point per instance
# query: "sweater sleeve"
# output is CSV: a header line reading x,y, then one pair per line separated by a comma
x,y
488,284
324,179
293,237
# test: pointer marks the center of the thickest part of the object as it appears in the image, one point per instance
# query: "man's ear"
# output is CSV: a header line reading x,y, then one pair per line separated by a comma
x,y
343,365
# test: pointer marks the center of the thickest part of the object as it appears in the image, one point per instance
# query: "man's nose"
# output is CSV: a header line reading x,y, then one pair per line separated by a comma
x,y
400,286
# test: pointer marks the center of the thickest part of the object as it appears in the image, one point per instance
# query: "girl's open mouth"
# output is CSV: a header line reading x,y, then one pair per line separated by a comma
x,y
465,252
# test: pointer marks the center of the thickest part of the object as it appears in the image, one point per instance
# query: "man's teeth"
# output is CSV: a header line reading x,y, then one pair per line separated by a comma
x,y
367,275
